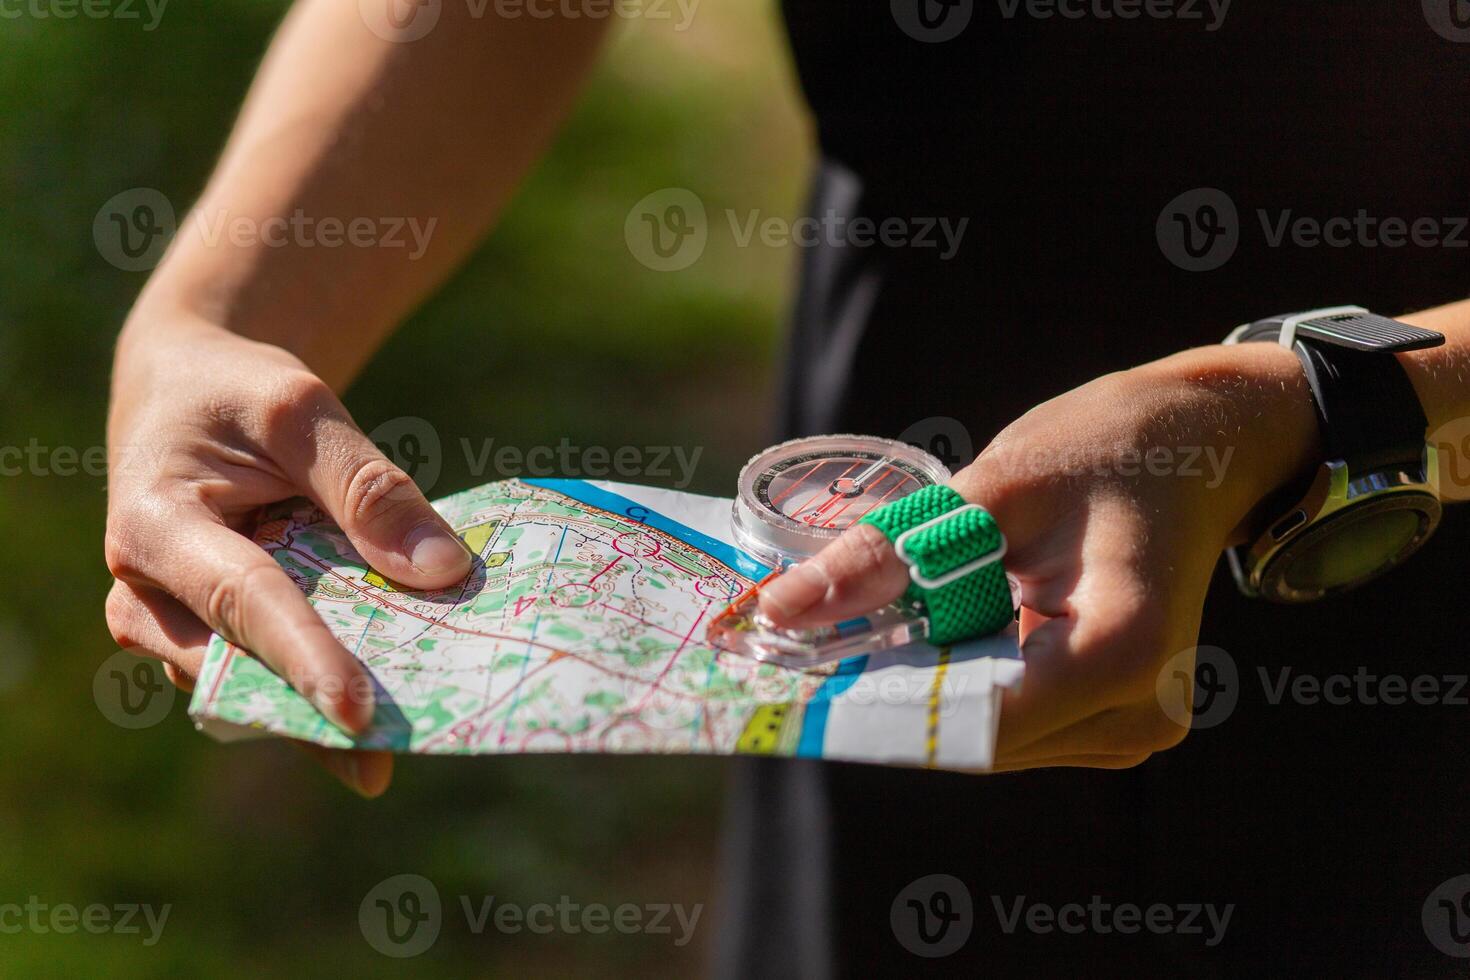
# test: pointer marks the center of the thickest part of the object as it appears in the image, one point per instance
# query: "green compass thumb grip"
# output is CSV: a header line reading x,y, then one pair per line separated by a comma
x,y
953,550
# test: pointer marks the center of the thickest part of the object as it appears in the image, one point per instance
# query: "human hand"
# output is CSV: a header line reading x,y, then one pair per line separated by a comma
x,y
1116,500
205,428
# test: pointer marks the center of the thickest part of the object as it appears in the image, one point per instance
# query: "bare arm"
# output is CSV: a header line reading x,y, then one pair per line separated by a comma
x,y
343,124
279,286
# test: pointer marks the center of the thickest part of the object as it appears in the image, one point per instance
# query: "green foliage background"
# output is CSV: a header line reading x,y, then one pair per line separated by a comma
x,y
552,331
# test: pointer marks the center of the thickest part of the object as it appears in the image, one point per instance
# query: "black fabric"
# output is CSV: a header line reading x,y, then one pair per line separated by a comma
x,y
1062,141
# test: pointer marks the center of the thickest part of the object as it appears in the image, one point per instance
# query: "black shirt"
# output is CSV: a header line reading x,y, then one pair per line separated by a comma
x,y
1131,187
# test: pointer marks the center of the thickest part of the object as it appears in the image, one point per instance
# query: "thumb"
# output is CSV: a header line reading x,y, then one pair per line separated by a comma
x,y
855,574
384,513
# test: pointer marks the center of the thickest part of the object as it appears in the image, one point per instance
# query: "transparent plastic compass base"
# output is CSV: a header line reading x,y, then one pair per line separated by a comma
x,y
742,629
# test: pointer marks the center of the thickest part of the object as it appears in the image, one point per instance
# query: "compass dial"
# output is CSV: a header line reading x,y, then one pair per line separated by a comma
x,y
796,497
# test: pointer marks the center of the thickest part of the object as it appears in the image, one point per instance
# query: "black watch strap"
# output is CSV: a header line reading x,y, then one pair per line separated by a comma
x,y
1367,409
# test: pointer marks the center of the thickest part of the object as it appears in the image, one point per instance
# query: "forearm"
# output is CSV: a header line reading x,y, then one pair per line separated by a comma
x,y
421,143
1441,375
1251,404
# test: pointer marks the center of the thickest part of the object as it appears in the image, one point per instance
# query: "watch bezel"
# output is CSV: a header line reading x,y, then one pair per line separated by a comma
x,y
1334,492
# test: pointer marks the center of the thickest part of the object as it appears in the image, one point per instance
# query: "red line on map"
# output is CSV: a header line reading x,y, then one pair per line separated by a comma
x,y
605,569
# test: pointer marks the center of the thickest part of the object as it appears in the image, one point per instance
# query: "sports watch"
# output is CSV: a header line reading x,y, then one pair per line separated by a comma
x,y
1371,503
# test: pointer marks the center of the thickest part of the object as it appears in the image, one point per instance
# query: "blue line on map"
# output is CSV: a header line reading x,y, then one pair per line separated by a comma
x,y
586,493
814,724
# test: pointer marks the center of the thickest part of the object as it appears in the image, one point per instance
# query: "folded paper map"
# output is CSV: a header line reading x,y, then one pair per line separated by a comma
x,y
582,629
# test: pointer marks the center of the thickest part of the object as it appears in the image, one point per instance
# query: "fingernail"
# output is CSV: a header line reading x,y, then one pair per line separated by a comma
x,y
434,551
794,592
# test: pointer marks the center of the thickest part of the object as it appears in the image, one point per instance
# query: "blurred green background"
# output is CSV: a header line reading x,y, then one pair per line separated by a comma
x,y
552,331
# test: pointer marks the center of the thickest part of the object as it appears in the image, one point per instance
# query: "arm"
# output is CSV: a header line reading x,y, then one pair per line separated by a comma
x,y
226,373
1115,561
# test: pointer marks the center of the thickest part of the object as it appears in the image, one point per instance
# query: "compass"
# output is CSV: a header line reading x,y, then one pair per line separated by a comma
x,y
795,498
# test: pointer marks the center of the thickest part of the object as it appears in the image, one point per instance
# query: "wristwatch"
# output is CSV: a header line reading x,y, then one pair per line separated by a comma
x,y
1371,503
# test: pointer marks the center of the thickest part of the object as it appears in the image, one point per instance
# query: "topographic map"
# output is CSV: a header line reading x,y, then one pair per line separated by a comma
x,y
582,629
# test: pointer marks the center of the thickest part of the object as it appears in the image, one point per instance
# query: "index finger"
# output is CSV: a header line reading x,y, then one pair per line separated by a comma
x,y
243,595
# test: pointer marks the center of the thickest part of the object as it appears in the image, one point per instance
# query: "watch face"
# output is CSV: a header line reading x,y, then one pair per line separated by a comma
x,y
1351,547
